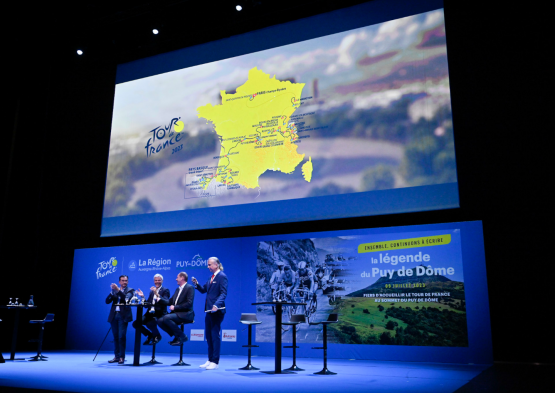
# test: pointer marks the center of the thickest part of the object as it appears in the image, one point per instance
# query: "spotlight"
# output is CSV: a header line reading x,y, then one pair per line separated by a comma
x,y
238,7
79,52
154,31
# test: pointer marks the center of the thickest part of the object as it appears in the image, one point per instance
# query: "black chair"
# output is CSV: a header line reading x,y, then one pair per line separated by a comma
x,y
180,362
2,356
296,319
332,318
40,356
249,320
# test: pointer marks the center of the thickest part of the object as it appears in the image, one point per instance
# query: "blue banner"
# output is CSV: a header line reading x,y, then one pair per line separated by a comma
x,y
405,293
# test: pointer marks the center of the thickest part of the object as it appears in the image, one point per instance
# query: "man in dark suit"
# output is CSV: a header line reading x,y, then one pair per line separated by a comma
x,y
120,316
158,310
216,292
181,306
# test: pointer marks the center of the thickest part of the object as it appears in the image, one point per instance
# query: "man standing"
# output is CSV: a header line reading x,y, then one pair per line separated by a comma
x,y
181,306
158,310
120,316
216,291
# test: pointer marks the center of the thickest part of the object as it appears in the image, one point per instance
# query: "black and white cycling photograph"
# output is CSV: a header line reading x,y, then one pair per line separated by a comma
x,y
311,271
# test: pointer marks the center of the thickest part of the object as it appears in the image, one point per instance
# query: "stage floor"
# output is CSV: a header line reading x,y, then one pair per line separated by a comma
x,y
72,371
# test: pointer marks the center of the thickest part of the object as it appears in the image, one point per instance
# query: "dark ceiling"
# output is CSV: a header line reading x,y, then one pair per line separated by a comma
x,y
122,30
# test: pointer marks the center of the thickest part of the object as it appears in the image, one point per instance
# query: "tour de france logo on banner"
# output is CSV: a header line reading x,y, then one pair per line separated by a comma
x,y
389,289
106,268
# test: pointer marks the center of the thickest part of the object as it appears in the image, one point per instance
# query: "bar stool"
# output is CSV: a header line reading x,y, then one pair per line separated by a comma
x,y
249,320
294,322
180,362
332,318
40,356
153,360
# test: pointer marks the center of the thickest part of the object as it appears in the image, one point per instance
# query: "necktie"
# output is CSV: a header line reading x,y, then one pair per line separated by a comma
x,y
212,279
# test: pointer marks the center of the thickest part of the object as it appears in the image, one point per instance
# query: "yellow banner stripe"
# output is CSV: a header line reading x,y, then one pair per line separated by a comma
x,y
400,244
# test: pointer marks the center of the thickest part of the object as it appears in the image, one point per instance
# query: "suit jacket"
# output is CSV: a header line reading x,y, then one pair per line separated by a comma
x,y
215,292
184,306
119,298
160,307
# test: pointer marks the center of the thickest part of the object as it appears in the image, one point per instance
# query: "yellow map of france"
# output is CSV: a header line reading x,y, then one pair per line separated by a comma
x,y
255,130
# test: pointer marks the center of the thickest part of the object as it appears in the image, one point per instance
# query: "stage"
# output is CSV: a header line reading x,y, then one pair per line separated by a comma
x,y
75,371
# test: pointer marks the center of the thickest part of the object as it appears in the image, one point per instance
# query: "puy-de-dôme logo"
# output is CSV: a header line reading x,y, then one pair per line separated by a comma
x,y
195,262
164,136
106,268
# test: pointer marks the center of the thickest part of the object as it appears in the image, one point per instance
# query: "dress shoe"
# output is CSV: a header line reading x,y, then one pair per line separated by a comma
x,y
185,338
205,364
156,339
212,366
113,360
148,341
176,343
122,360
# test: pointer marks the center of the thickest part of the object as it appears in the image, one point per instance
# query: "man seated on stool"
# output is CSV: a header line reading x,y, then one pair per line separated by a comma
x,y
156,311
181,306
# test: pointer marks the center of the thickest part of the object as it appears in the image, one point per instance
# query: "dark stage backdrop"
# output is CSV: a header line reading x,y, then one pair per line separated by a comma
x,y
55,150
415,293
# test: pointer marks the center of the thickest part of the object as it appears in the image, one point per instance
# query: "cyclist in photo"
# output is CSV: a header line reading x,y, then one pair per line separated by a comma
x,y
320,274
276,279
288,278
305,280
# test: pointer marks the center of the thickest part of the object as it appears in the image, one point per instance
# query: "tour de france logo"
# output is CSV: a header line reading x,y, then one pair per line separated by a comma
x,y
166,136
132,265
106,267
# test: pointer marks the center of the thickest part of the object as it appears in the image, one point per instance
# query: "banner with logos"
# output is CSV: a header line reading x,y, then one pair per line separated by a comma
x,y
404,293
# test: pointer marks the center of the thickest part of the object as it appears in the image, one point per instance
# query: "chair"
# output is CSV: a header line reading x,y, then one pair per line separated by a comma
x,y
180,362
296,319
40,356
249,320
332,318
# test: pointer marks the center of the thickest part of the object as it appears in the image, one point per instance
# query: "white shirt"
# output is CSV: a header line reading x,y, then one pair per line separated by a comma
x,y
117,307
214,274
154,300
180,289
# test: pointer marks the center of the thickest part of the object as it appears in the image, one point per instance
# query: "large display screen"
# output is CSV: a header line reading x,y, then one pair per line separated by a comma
x,y
405,293
347,124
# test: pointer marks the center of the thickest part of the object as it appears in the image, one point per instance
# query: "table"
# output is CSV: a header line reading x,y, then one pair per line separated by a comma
x,y
15,326
137,346
279,310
